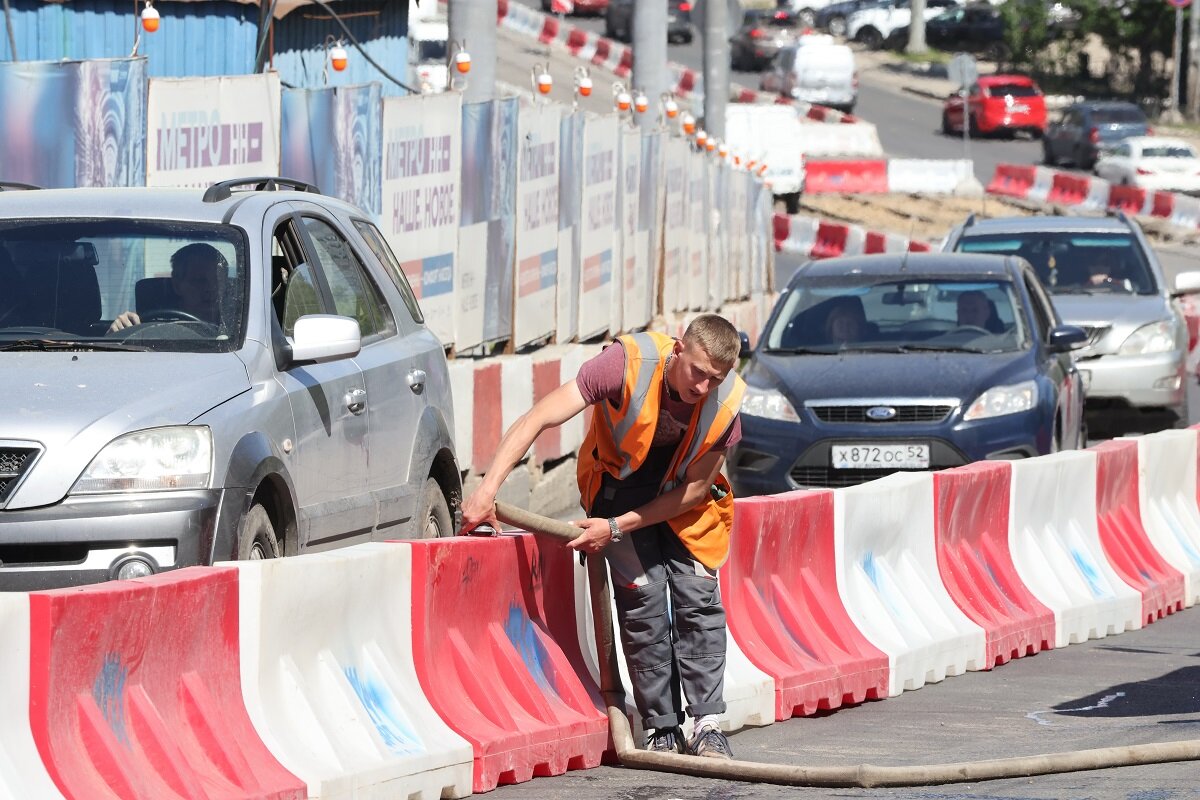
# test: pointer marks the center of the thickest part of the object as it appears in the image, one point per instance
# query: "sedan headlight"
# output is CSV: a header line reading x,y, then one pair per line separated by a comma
x,y
1157,337
150,461
768,403
1001,400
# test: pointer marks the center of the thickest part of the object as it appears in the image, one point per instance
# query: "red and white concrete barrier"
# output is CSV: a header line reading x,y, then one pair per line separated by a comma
x,y
820,238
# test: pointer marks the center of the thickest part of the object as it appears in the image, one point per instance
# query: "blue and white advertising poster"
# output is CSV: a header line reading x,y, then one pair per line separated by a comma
x,y
422,158
487,237
570,171
598,225
629,282
650,219
74,123
205,130
701,222
332,138
537,223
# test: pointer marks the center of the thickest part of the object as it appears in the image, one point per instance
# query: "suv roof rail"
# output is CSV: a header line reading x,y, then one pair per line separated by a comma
x,y
224,189
970,220
8,186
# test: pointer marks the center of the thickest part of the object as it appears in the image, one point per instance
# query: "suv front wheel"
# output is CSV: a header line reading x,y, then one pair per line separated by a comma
x,y
256,536
434,519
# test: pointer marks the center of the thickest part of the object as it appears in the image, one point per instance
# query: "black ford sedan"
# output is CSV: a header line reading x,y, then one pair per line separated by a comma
x,y
916,361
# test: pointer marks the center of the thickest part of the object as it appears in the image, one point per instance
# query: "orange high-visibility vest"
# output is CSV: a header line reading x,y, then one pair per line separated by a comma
x,y
618,441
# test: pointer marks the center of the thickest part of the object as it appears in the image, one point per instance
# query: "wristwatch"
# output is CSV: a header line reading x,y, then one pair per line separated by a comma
x,y
615,530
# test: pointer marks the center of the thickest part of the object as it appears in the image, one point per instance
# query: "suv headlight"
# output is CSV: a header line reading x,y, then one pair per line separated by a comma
x,y
768,403
1157,337
151,461
1001,400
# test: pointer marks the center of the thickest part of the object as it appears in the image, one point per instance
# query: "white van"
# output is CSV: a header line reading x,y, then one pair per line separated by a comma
x,y
816,70
427,50
770,134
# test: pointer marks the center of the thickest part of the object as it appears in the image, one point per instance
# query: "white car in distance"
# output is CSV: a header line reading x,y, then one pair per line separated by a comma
x,y
1151,162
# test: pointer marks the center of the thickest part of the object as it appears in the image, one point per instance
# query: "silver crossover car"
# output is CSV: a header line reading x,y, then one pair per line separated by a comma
x,y
192,376
1103,276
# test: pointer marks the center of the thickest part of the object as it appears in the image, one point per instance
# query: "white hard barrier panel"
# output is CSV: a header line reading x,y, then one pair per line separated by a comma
x,y
1167,497
820,139
856,240
888,579
22,774
802,235
1055,542
1043,181
1186,212
928,176
462,390
329,680
1097,197
749,692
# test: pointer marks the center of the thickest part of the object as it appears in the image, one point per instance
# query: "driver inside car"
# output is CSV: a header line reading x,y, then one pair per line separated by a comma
x,y
197,276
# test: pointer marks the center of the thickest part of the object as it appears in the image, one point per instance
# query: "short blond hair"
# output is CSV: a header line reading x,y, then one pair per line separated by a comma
x,y
717,336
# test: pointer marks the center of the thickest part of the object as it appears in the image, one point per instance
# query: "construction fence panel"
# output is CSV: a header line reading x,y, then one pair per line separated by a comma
x,y
539,129
570,187
598,225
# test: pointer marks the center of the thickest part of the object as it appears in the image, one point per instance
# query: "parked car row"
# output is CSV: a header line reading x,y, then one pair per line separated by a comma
x,y
1019,339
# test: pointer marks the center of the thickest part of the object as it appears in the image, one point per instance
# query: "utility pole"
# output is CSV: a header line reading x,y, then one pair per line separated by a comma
x,y
649,52
716,66
1173,113
473,26
916,28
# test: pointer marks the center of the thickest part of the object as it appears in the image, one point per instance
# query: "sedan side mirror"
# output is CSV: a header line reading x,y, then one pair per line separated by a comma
x,y
1187,283
1065,338
325,337
746,348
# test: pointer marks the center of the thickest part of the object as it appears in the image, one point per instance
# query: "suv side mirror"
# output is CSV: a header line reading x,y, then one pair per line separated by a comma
x,y
325,337
1187,283
1065,338
746,348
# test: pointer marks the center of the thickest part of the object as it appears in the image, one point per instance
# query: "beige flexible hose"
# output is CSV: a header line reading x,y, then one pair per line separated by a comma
x,y
863,775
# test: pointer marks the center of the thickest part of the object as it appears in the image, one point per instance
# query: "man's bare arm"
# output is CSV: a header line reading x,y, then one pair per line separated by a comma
x,y
551,411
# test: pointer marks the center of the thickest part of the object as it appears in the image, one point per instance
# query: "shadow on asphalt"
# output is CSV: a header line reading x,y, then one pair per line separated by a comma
x,y
1176,692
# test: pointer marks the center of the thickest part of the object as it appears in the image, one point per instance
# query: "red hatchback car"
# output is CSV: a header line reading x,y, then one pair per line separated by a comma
x,y
996,103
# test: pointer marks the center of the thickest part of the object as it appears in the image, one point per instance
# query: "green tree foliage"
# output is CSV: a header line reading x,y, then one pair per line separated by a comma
x,y
1027,33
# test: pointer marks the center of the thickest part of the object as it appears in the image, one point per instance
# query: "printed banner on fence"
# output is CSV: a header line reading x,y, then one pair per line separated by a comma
x,y
599,225
420,199
537,223
629,282
570,187
332,139
650,226
487,238
74,123
701,223
205,130
677,230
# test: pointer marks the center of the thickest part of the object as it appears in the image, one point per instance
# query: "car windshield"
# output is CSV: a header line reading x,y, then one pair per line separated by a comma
x,y
1074,263
1107,116
1012,90
121,285
884,314
1168,151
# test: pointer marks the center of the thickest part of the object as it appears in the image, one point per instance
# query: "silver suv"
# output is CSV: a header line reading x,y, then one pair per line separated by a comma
x,y
1103,276
193,376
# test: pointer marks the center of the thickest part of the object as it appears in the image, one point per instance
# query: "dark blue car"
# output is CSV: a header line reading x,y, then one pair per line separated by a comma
x,y
874,364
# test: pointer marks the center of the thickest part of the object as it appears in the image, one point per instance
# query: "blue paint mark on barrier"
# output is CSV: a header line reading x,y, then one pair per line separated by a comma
x,y
381,707
108,690
877,581
522,633
787,628
1182,537
1090,574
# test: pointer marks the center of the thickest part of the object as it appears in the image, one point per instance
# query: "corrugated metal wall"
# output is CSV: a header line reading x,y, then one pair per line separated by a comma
x,y
380,25
203,38
215,38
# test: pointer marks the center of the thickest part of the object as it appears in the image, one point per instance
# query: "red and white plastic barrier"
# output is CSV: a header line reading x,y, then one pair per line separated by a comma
x,y
889,582
22,773
329,681
783,608
1055,543
884,176
971,518
820,238
1167,499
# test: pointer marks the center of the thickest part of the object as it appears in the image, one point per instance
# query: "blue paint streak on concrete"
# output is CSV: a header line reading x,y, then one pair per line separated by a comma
x,y
381,707
523,635
1090,574
108,690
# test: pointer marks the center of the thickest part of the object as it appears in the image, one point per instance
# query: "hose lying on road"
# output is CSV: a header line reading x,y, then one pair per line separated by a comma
x,y
863,775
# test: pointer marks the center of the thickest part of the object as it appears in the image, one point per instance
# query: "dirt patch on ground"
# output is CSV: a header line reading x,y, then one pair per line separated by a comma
x,y
917,217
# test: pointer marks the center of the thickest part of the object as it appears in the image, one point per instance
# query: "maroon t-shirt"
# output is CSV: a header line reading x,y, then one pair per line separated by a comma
x,y
602,378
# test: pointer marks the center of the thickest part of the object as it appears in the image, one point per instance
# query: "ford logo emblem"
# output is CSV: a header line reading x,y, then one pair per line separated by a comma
x,y
880,413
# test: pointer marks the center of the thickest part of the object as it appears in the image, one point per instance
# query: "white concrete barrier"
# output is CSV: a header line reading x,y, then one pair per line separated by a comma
x,y
928,176
802,235
22,773
1186,211
462,388
1097,197
1043,180
820,140
1055,542
749,692
888,579
329,681
1167,497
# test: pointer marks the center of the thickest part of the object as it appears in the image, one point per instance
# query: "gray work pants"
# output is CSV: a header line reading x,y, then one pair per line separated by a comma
x,y
666,647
